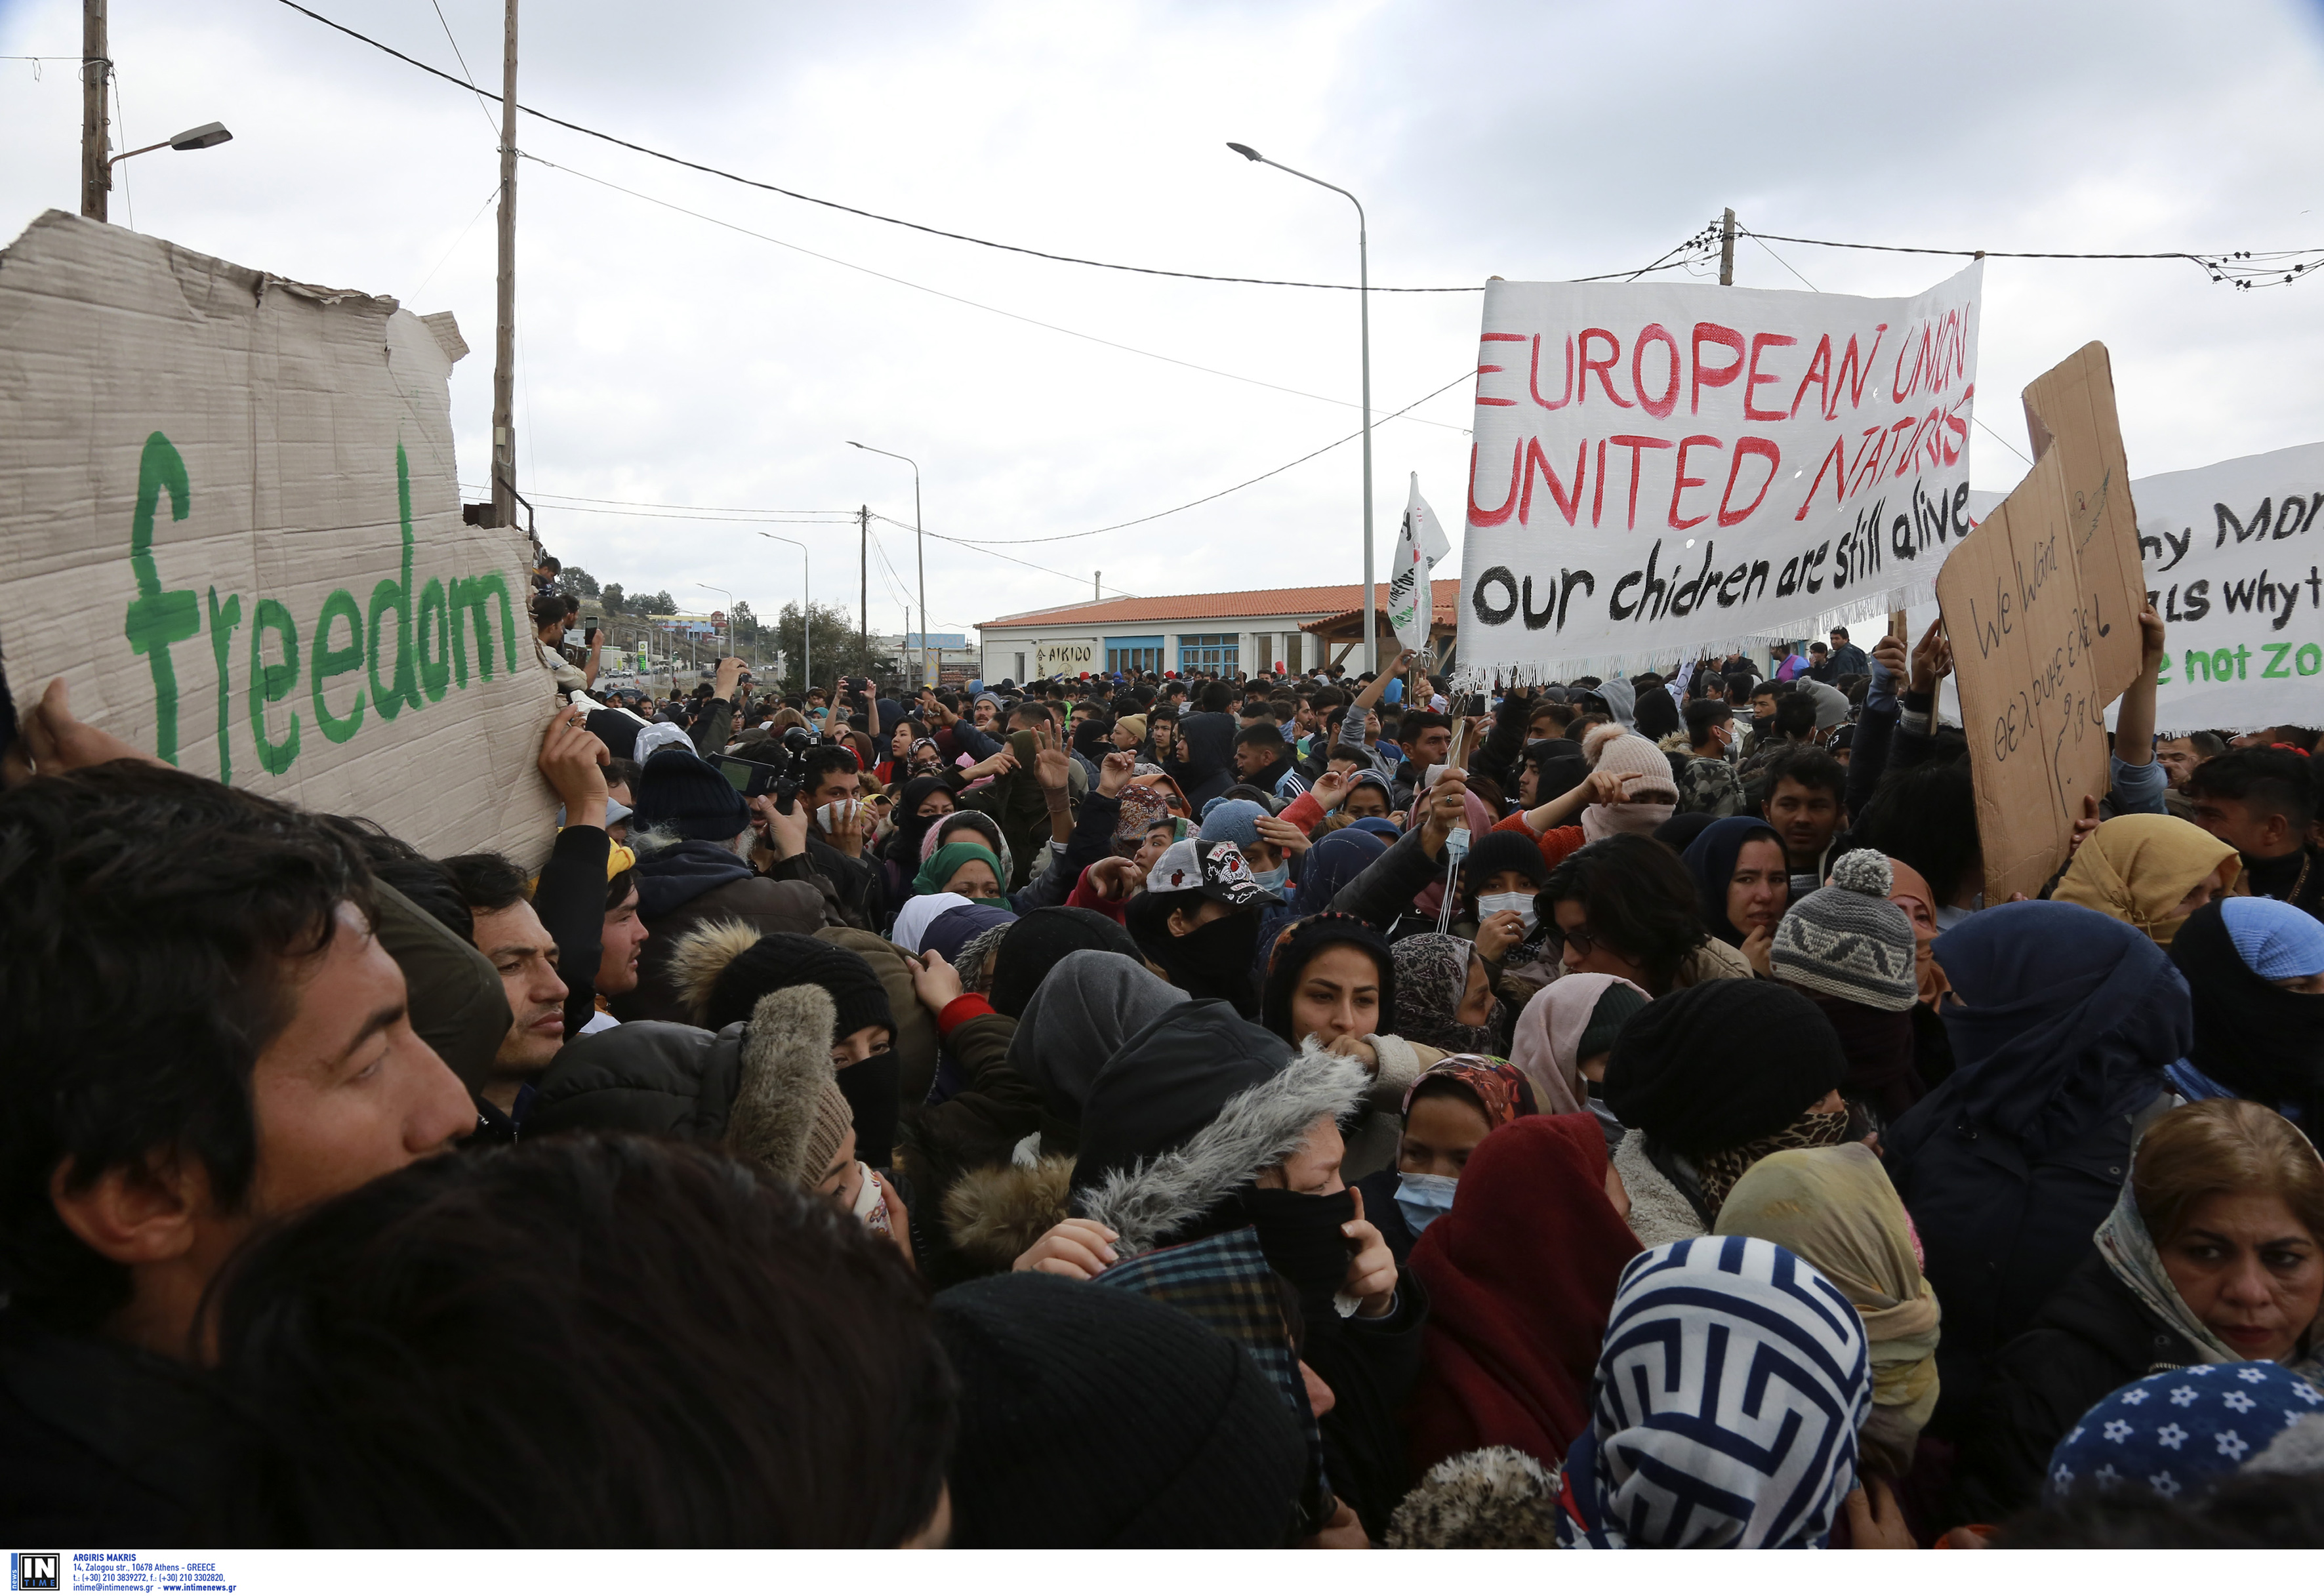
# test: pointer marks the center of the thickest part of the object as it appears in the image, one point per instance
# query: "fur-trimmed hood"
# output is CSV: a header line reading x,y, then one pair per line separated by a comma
x,y
992,1215
786,1073
699,956
1151,1202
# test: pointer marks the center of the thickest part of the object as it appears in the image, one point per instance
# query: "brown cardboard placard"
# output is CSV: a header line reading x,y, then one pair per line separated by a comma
x,y
2044,636
2070,407
229,519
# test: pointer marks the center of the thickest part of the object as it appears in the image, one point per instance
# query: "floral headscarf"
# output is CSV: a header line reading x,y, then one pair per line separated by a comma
x,y
1501,1090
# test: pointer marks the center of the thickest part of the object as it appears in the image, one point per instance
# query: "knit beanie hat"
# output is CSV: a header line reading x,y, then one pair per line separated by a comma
x,y
1715,1065
676,791
1231,820
1625,754
1615,1006
827,1134
2277,941
1135,724
1106,1418
1847,940
1497,851
1033,947
785,958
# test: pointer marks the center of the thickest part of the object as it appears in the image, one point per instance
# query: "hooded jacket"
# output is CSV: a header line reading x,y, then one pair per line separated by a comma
x,y
688,885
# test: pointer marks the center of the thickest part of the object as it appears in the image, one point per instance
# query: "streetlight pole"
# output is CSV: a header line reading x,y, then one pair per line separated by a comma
x,y
920,548
806,610
1364,305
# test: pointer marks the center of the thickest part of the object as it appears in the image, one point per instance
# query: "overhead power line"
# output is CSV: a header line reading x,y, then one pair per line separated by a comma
x,y
2243,267
857,210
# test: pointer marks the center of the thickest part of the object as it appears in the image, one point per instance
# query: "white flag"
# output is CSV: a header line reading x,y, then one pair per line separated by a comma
x,y
1411,601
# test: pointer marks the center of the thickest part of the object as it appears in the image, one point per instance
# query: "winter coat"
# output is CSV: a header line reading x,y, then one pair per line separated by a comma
x,y
1204,765
1660,1209
686,886
1387,885
2092,1336
108,1446
2000,1230
960,1153
1707,786
569,897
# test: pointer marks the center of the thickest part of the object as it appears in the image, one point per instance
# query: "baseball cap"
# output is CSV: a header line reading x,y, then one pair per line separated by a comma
x,y
1217,869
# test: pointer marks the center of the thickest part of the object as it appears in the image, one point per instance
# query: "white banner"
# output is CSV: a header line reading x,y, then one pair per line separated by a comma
x,y
1411,601
2235,568
1665,470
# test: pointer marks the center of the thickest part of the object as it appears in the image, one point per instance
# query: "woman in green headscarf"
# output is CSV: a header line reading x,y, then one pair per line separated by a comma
x,y
1834,1208
969,869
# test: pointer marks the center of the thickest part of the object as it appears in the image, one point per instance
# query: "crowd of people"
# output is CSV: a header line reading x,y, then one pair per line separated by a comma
x,y
1325,1109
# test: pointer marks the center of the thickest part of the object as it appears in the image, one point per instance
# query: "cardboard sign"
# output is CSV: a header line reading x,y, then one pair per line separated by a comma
x,y
2235,566
232,523
1662,471
2034,607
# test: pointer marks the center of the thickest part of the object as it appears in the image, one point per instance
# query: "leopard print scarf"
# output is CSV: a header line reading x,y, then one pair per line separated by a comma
x,y
1721,1170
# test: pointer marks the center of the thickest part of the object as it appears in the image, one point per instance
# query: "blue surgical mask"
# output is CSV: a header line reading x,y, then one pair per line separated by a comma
x,y
1273,881
1423,1199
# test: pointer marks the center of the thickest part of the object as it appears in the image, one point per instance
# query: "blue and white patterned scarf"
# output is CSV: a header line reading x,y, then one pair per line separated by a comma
x,y
1731,1386
2179,1430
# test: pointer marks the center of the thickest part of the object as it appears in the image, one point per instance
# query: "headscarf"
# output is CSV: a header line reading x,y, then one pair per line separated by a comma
x,y
1547,1045
1719,1172
2251,1035
1330,865
2136,868
1911,893
2129,1250
1520,1275
1432,977
903,845
1501,1091
945,861
1301,941
1078,1018
1711,860
1214,960
2064,1018
2179,1432
977,820
1835,1208
1732,1383
918,913
955,928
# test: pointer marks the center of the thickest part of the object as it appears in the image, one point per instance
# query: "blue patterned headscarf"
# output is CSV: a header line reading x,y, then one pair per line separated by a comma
x,y
1732,1382
2179,1431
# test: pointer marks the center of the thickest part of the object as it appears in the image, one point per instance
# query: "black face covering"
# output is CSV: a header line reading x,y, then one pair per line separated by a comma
x,y
1763,723
1213,961
2251,1035
872,1088
1300,1233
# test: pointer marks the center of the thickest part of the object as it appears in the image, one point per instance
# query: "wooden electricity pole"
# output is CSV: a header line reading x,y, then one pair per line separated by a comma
x,y
505,334
863,577
96,67
1726,232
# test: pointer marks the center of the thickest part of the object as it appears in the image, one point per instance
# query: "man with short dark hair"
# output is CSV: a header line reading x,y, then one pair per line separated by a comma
x,y
1263,759
2178,756
2262,802
1427,740
1847,658
1806,805
200,1032
1796,718
510,934
1709,785
1820,665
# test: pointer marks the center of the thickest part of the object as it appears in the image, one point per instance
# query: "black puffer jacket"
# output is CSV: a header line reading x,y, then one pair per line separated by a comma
x,y
2091,1337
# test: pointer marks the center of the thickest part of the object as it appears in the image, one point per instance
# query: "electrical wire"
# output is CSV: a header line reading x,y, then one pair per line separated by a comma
x,y
1012,559
2222,266
899,221
955,299
465,73
491,196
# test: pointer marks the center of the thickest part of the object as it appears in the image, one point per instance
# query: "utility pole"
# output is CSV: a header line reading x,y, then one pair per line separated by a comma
x,y
1726,243
1097,587
96,135
505,334
863,575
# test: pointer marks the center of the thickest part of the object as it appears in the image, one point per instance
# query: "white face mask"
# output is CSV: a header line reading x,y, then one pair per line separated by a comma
x,y
1520,903
1273,881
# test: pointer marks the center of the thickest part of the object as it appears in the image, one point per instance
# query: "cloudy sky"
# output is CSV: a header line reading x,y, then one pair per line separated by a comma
x,y
669,360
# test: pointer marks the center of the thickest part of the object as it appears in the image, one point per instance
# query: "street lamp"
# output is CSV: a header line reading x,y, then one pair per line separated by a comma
x,y
920,546
206,137
807,610
1364,303
709,587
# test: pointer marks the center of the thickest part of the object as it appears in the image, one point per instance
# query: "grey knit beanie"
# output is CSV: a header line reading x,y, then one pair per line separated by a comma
x,y
1847,940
